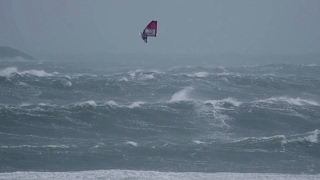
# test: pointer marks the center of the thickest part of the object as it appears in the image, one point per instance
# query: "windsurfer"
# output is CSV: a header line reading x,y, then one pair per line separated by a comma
x,y
144,36
149,31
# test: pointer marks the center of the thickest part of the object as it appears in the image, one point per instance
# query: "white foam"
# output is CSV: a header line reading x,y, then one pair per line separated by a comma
x,y
312,65
268,74
8,71
228,100
270,138
222,68
77,76
293,101
99,145
224,74
123,79
56,146
13,70
39,73
132,143
198,74
181,95
232,101
148,76
214,109
201,74
132,74
311,137
24,104
198,142
68,77
111,103
225,79
152,175
66,83
212,102
135,104
156,71
35,146
91,103
21,84
298,101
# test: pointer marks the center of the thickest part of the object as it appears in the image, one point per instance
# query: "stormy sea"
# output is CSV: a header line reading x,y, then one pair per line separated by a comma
x,y
123,116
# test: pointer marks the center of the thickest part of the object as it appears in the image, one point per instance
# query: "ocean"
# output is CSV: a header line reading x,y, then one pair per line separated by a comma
x,y
138,117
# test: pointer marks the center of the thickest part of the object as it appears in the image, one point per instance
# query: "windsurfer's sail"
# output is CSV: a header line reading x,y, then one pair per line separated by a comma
x,y
151,29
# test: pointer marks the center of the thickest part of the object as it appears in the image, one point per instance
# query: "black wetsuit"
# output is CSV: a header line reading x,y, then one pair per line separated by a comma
x,y
144,36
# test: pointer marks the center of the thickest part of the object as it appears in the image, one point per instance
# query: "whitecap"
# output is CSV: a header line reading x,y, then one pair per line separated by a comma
x,y
198,142
8,71
228,100
91,103
135,104
311,137
225,79
111,103
222,68
232,101
123,79
198,74
132,74
37,146
66,83
39,73
68,77
24,104
293,101
98,145
148,76
312,65
21,84
268,138
201,74
181,95
132,143
223,74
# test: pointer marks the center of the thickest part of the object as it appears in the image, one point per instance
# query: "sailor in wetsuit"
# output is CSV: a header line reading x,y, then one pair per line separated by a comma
x,y
144,36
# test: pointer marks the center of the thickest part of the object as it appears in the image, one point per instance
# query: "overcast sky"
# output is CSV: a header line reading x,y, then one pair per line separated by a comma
x,y
200,26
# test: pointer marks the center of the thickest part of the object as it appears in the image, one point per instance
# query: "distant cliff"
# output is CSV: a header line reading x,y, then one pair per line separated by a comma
x,y
8,52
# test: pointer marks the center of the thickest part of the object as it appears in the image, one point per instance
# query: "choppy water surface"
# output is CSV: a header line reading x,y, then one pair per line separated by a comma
x,y
138,121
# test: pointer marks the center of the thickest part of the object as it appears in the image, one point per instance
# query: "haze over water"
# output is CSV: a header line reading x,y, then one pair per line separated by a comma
x,y
228,90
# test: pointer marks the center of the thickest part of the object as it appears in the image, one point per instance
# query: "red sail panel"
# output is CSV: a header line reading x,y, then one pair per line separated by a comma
x,y
151,29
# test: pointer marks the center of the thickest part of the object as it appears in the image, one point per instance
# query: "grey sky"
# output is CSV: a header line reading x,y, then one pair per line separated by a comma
x,y
200,26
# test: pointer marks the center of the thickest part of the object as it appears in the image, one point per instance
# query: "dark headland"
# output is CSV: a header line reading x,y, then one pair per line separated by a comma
x,y
10,53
